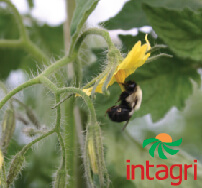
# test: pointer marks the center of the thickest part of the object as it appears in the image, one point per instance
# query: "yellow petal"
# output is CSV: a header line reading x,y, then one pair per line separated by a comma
x,y
88,91
120,76
147,42
135,58
1,159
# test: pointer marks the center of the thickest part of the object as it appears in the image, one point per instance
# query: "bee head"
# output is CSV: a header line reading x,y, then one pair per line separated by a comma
x,y
130,86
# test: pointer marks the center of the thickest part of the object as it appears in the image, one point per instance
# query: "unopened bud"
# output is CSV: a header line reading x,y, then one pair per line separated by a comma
x,y
8,127
32,117
15,168
29,131
92,156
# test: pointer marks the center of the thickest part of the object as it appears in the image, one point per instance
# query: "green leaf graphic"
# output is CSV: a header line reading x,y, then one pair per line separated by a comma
x,y
169,150
148,141
160,152
176,143
152,149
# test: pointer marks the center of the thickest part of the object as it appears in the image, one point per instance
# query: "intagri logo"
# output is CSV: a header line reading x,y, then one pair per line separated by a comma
x,y
162,171
162,140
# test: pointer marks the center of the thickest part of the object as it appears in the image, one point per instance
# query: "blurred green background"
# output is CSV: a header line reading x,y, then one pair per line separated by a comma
x,y
172,92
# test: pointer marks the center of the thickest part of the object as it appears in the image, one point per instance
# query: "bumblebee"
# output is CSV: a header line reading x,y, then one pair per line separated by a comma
x,y
130,101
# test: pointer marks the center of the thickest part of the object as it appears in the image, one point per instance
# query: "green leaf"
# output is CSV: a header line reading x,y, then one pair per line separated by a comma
x,y
50,39
30,3
132,14
165,83
181,30
82,11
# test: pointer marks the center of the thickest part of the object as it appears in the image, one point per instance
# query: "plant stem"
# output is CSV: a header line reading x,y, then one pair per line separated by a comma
x,y
70,141
50,85
57,65
3,174
57,128
11,43
89,103
26,148
19,88
31,48
52,68
95,31
70,128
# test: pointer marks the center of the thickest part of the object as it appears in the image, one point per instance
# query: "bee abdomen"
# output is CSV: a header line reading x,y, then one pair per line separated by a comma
x,y
119,113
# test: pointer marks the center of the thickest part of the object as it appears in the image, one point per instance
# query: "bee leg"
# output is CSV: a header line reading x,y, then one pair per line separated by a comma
x,y
125,125
123,96
118,101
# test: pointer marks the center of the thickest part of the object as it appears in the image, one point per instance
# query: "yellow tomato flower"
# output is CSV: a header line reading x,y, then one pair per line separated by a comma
x,y
135,58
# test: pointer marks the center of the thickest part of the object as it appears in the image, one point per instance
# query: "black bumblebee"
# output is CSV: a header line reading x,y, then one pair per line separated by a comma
x,y
130,100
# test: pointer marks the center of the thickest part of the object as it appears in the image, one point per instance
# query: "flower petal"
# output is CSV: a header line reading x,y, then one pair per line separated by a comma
x,y
135,58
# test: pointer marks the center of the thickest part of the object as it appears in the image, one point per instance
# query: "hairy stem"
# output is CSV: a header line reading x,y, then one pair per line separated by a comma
x,y
95,31
31,48
50,85
28,146
52,68
57,128
11,43
79,92
58,65
18,89
70,141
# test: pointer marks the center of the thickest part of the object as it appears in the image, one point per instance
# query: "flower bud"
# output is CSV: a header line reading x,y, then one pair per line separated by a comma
x,y
30,132
92,156
15,168
8,127
32,117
